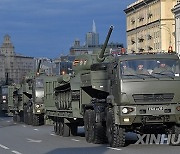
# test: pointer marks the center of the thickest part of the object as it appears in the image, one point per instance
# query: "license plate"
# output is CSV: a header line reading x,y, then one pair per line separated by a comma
x,y
155,108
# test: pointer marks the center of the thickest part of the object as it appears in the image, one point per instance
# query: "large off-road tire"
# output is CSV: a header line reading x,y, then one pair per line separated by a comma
x,y
14,117
25,116
41,119
73,129
98,130
30,118
56,128
21,114
35,120
175,131
18,118
88,126
115,133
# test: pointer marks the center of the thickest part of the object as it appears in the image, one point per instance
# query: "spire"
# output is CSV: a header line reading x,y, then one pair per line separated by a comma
x,y
94,27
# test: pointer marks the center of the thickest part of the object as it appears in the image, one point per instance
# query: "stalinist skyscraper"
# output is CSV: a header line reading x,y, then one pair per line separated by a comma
x,y
92,38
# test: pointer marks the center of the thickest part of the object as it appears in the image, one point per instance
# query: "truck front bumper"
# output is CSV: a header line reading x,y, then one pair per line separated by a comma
x,y
147,114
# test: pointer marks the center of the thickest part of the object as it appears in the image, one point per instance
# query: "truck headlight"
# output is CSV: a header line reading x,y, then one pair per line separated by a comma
x,y
127,110
3,97
37,105
124,110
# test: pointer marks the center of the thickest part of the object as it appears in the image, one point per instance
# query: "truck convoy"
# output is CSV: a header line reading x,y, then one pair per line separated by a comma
x,y
26,99
110,96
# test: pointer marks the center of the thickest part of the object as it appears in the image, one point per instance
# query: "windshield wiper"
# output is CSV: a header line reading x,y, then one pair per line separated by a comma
x,y
136,75
150,75
165,75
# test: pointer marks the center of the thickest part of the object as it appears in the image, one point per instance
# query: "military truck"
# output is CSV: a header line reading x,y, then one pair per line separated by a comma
x,y
109,100
27,99
4,99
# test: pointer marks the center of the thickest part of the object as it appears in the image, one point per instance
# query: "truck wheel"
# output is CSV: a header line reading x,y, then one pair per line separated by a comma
x,y
25,116
88,127
73,129
41,119
176,131
21,116
35,120
18,118
30,118
55,128
60,128
14,117
115,133
98,130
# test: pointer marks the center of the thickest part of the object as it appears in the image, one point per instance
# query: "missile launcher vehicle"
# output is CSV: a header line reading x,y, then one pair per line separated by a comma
x,y
110,96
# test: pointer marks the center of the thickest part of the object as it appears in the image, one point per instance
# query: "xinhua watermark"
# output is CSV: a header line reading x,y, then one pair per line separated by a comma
x,y
173,139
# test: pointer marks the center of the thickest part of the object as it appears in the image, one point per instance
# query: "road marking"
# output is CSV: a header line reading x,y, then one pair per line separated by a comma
x,y
114,148
4,147
24,126
53,134
36,129
34,141
15,123
75,140
16,152
8,121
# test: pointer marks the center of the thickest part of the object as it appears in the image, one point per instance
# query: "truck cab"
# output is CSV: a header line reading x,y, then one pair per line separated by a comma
x,y
144,94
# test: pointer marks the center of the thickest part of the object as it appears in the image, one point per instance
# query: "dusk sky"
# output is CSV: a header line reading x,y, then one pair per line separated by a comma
x,y
48,28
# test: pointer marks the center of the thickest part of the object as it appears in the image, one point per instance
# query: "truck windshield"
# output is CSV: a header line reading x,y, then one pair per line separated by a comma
x,y
39,83
148,68
4,91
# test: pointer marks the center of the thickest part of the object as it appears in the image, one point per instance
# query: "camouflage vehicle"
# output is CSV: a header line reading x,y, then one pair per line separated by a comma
x,y
4,99
110,96
28,99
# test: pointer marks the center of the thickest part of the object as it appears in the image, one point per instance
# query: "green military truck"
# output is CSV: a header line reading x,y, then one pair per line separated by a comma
x,y
4,100
110,96
26,99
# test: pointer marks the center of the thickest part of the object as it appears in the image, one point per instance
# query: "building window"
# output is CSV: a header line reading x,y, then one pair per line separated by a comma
x,y
132,21
141,18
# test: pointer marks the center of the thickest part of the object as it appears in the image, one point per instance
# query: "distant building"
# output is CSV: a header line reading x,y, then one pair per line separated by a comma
x,y
150,26
2,68
176,11
92,44
64,64
92,38
16,65
47,65
77,49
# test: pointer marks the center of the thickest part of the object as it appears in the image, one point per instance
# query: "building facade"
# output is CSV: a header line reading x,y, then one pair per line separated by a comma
x,y
2,68
64,64
16,65
176,11
150,26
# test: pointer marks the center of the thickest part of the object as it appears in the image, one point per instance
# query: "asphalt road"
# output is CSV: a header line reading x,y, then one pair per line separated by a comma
x,y
24,139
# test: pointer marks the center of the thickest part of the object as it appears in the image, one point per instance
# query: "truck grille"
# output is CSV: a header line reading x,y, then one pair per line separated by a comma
x,y
153,97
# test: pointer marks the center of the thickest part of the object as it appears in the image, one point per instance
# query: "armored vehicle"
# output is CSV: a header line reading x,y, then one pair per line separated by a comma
x,y
112,95
27,99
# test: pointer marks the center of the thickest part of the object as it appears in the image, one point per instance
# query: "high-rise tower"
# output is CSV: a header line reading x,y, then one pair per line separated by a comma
x,y
92,38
